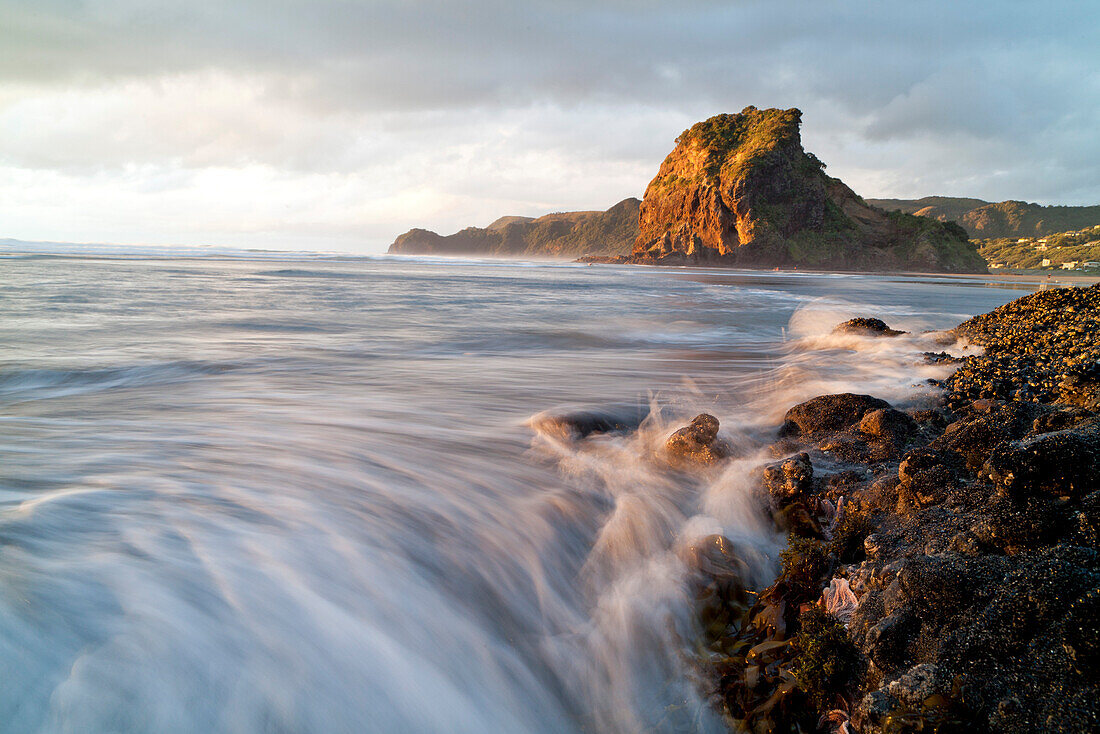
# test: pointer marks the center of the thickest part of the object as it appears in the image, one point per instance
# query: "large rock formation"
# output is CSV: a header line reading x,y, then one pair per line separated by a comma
x,y
567,234
981,219
739,190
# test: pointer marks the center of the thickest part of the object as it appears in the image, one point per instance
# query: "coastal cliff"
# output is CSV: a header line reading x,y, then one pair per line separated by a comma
x,y
739,190
566,234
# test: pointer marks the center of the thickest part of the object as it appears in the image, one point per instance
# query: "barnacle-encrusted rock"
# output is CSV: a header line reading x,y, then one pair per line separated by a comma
x,y
1062,463
789,480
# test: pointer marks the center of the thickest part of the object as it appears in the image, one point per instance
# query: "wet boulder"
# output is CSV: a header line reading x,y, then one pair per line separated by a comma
x,y
788,481
828,413
866,327
697,443
715,556
795,519
720,597
1062,464
583,423
887,424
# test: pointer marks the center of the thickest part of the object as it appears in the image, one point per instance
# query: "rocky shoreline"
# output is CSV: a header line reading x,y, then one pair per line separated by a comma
x,y
942,571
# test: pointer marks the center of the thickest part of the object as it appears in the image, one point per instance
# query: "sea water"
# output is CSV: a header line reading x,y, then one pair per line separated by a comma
x,y
334,494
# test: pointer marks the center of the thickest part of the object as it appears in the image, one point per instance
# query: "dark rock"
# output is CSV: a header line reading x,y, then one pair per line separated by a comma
x,y
941,358
888,424
716,556
1012,526
886,641
936,588
975,438
873,709
797,520
926,476
827,413
583,423
929,420
1023,644
866,327
1085,522
1059,420
916,684
789,480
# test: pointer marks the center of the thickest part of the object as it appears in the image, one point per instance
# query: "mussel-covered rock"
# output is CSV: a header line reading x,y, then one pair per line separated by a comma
x,y
697,443
866,327
991,424
886,641
888,424
1061,419
1062,463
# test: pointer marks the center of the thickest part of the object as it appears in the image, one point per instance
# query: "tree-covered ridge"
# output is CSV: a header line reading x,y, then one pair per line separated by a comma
x,y
982,219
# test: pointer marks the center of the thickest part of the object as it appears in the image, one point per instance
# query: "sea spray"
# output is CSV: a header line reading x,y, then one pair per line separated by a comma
x,y
277,501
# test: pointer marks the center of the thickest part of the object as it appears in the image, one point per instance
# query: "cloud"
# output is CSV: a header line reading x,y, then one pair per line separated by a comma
x,y
446,113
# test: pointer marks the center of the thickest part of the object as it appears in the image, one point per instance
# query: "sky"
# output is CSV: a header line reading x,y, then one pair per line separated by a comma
x,y
336,125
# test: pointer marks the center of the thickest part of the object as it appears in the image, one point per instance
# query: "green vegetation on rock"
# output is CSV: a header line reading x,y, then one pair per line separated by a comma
x,y
826,661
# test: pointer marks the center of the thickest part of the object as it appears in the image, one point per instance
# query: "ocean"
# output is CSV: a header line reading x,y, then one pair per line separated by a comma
x,y
335,494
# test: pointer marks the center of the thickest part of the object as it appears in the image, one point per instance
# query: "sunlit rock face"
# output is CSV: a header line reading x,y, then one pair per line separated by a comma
x,y
740,190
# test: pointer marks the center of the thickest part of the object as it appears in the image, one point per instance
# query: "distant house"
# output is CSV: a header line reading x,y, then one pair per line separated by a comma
x,y
1022,240
994,266
1071,265
1042,240
1091,264
1041,248
1045,264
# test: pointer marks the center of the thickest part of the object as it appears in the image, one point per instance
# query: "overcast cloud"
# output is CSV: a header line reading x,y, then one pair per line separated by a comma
x,y
336,124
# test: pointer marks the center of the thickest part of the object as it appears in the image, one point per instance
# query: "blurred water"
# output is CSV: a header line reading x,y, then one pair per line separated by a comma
x,y
309,496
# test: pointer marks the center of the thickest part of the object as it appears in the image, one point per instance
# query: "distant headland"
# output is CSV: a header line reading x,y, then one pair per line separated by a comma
x,y
738,190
